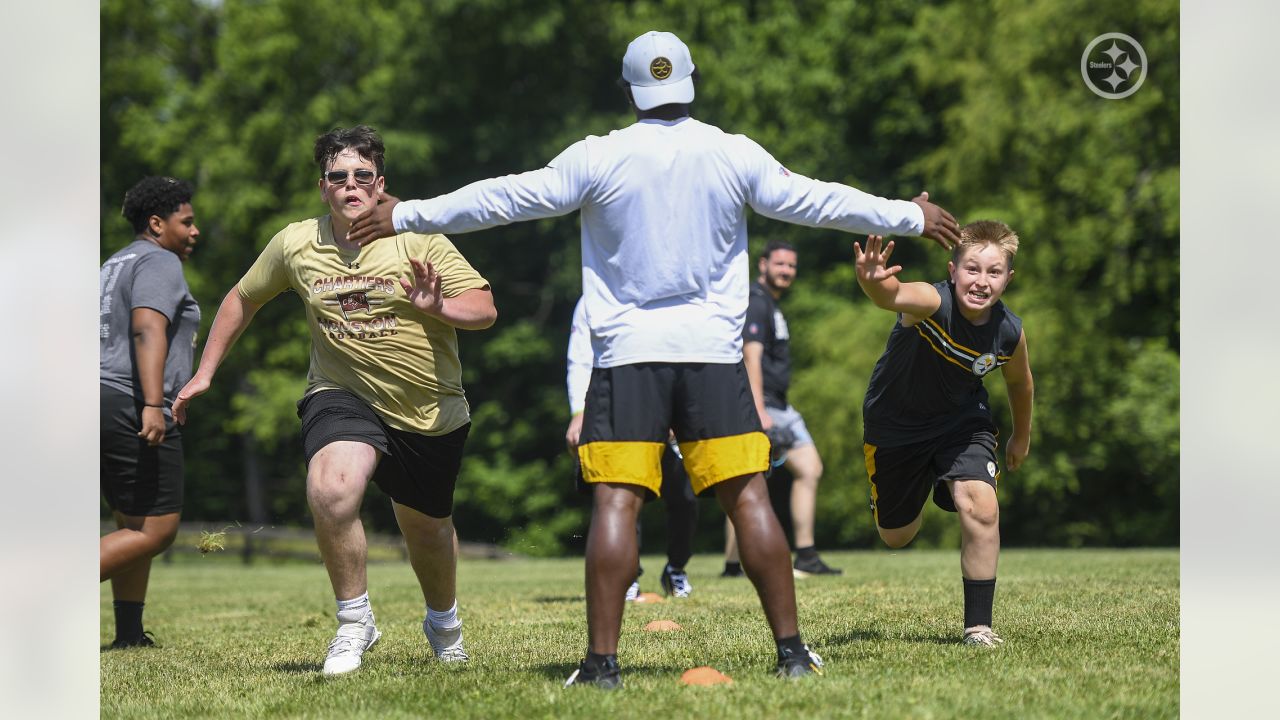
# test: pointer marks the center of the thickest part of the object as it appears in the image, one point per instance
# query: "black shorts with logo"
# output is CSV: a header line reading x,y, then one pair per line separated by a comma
x,y
903,476
631,409
137,479
418,471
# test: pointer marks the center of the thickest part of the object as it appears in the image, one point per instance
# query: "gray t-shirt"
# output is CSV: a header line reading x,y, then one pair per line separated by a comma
x,y
144,275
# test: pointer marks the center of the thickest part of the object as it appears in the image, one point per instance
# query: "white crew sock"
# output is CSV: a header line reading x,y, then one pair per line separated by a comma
x,y
444,619
353,610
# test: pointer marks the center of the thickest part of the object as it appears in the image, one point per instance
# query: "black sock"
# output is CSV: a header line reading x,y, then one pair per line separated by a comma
x,y
128,619
791,647
732,568
979,596
806,553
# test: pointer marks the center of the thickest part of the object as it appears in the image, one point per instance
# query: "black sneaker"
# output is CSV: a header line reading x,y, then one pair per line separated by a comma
x,y
676,582
143,640
606,677
813,566
795,666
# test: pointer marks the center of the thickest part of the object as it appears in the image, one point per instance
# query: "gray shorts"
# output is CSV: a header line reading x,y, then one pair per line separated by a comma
x,y
789,418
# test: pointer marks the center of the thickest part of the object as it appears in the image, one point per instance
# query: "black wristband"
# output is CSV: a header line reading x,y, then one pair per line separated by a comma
x,y
154,406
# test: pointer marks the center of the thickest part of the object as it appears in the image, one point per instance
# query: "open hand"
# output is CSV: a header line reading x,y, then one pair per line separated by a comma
x,y
872,266
939,225
424,292
375,222
194,387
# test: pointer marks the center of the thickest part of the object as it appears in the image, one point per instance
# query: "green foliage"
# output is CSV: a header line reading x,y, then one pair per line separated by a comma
x,y
978,101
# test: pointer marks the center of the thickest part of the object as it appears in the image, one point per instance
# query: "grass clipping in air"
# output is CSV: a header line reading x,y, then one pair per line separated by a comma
x,y
212,541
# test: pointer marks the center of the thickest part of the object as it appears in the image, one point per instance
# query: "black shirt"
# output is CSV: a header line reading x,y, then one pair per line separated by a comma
x,y
766,325
930,376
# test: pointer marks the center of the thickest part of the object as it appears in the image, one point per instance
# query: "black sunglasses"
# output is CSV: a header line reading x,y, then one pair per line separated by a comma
x,y
339,177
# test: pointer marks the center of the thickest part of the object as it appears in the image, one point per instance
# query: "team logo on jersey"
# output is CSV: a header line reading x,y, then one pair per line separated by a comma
x,y
754,328
991,469
984,364
353,302
780,331
660,68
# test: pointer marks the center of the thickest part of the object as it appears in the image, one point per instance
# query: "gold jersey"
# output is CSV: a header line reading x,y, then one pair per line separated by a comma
x,y
366,337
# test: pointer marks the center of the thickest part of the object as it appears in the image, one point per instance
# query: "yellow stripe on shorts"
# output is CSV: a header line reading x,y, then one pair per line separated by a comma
x,y
869,455
630,463
715,460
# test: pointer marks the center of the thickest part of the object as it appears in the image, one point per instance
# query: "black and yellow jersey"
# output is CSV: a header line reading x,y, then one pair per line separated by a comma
x,y
930,375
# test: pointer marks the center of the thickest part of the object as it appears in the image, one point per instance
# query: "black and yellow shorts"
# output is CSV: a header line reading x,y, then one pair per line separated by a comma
x,y
903,476
708,406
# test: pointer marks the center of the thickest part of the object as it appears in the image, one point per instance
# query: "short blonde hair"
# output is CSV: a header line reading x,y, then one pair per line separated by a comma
x,y
987,232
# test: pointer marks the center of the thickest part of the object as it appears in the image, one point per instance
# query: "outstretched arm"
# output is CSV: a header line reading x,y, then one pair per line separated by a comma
x,y
879,281
233,317
468,310
1017,377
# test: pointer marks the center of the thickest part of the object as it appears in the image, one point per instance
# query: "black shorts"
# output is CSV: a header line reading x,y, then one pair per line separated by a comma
x,y
631,408
903,476
137,479
418,471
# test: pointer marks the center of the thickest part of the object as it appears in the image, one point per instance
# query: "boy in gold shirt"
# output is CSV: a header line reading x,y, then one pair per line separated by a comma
x,y
384,399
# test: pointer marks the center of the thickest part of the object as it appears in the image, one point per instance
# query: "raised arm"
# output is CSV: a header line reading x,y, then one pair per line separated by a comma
x,y
915,300
150,349
233,317
1017,377
468,310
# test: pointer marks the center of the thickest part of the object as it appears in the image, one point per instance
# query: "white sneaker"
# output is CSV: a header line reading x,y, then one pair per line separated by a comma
x,y
349,644
446,644
633,592
983,636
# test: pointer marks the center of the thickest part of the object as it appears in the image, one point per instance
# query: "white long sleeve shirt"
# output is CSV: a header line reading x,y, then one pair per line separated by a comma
x,y
580,359
664,230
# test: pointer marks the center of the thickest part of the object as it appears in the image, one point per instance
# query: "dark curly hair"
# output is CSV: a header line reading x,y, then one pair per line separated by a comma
x,y
361,138
160,196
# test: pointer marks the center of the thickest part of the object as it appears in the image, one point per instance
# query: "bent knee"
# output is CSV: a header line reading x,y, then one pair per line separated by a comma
x,y
898,537
976,501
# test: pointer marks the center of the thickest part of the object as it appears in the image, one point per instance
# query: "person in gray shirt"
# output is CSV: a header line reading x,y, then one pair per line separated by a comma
x,y
147,324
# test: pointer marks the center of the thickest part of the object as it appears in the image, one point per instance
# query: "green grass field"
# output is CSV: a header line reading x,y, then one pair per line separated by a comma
x,y
1089,634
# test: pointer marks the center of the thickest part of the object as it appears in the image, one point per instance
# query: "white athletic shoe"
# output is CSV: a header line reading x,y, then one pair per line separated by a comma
x,y
983,636
446,644
349,644
633,592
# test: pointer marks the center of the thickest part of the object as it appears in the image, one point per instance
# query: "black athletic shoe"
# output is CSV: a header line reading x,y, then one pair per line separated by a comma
x,y
813,566
143,640
607,677
795,666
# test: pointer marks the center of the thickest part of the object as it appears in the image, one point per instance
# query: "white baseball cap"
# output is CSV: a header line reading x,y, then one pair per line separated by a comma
x,y
659,70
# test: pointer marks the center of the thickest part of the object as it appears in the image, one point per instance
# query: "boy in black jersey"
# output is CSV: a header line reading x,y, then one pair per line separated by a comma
x,y
927,424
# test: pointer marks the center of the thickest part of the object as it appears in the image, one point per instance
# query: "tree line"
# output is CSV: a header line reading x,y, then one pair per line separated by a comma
x,y
980,102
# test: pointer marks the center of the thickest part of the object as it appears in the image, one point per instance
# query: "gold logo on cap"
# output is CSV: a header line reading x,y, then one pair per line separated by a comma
x,y
660,68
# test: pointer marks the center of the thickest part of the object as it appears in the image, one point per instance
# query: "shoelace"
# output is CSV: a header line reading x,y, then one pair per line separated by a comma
x,y
680,586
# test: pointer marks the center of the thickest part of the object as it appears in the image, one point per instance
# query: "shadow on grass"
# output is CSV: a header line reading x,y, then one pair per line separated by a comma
x,y
560,599
561,671
860,636
294,667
